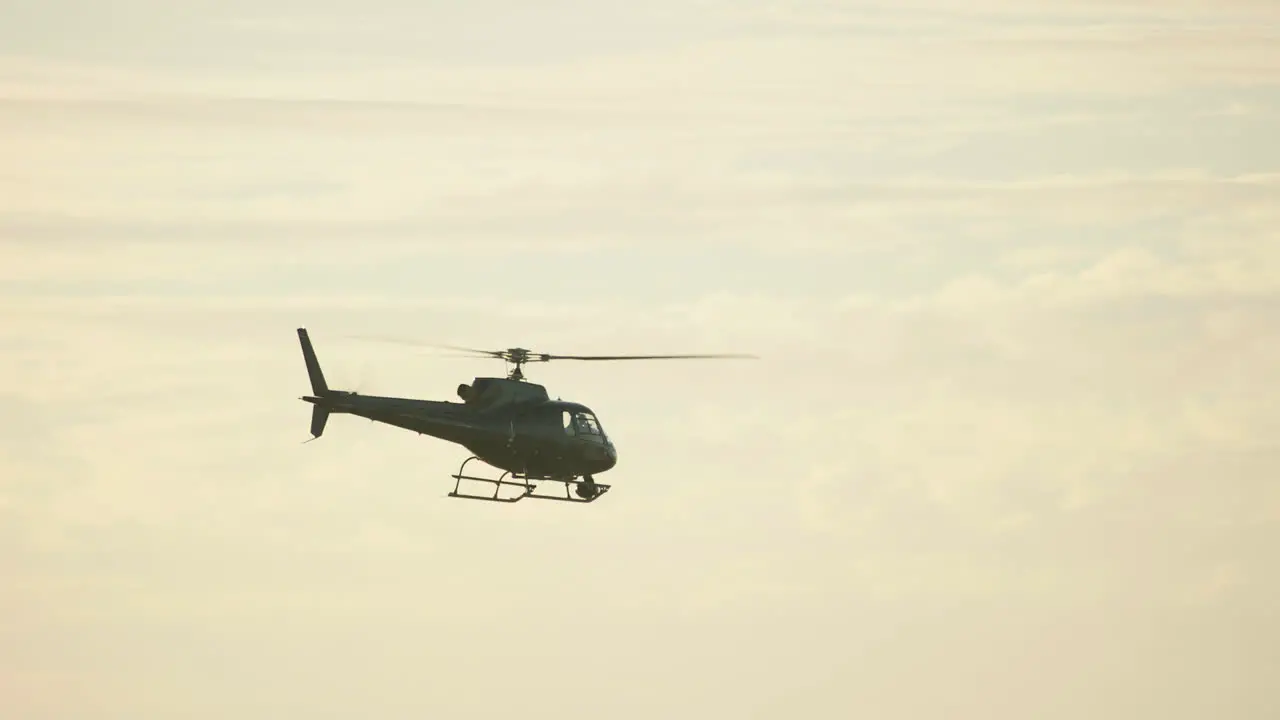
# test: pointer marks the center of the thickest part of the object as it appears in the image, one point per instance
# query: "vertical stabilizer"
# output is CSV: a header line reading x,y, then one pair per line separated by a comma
x,y
319,388
319,416
318,385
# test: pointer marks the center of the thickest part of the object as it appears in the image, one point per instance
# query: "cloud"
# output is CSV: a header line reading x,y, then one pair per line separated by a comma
x,y
652,67
1226,217
1001,14
1015,308
1044,457
1124,273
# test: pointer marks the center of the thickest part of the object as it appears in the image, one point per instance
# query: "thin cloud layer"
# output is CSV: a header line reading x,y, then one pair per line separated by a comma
x,y
1012,269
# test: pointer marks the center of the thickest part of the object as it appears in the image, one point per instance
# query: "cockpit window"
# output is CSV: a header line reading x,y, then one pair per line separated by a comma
x,y
586,424
567,418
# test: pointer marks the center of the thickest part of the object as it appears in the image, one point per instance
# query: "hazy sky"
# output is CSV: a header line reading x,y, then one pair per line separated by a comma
x,y
1014,269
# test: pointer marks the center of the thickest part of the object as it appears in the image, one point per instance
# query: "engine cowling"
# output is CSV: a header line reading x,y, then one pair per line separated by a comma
x,y
465,392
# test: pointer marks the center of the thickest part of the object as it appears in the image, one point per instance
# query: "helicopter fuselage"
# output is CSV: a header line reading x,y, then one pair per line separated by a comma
x,y
537,438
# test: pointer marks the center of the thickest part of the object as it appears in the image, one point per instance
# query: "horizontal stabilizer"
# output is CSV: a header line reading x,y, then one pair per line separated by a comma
x,y
319,417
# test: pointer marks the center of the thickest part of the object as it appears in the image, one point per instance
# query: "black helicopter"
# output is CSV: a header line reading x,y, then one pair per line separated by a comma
x,y
508,423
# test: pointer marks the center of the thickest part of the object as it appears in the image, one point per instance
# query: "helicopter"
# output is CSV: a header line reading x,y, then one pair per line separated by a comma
x,y
507,423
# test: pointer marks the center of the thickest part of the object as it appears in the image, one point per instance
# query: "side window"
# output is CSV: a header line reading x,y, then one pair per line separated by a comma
x,y
567,419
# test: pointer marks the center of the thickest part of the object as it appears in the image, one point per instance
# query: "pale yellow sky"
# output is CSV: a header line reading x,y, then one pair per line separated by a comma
x,y
1014,269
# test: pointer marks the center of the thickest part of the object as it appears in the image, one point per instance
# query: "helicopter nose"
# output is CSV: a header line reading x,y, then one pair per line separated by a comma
x,y
610,456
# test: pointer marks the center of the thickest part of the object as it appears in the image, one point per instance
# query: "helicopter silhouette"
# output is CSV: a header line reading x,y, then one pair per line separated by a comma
x,y
507,423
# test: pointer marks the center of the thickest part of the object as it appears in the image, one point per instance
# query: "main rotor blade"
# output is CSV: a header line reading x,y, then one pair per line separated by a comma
x,y
415,343
528,356
542,356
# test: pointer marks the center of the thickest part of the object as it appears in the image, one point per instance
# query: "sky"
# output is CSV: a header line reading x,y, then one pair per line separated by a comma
x,y
1010,451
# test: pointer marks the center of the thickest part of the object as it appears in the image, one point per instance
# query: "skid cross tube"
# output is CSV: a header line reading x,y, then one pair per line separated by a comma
x,y
525,483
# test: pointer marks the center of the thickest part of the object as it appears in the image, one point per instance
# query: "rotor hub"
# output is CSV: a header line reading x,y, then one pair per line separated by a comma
x,y
518,357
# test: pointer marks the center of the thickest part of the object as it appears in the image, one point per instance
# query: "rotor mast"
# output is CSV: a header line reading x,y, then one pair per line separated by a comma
x,y
516,357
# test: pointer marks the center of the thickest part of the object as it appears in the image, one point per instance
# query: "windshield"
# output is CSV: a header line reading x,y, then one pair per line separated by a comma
x,y
586,424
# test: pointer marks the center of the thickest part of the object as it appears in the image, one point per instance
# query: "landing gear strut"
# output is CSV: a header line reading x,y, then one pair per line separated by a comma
x,y
586,489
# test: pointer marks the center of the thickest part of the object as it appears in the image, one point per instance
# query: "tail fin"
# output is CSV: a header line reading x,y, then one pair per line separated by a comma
x,y
319,416
319,413
318,385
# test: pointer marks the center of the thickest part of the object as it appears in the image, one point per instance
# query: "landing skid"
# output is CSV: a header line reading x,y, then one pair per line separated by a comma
x,y
574,488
